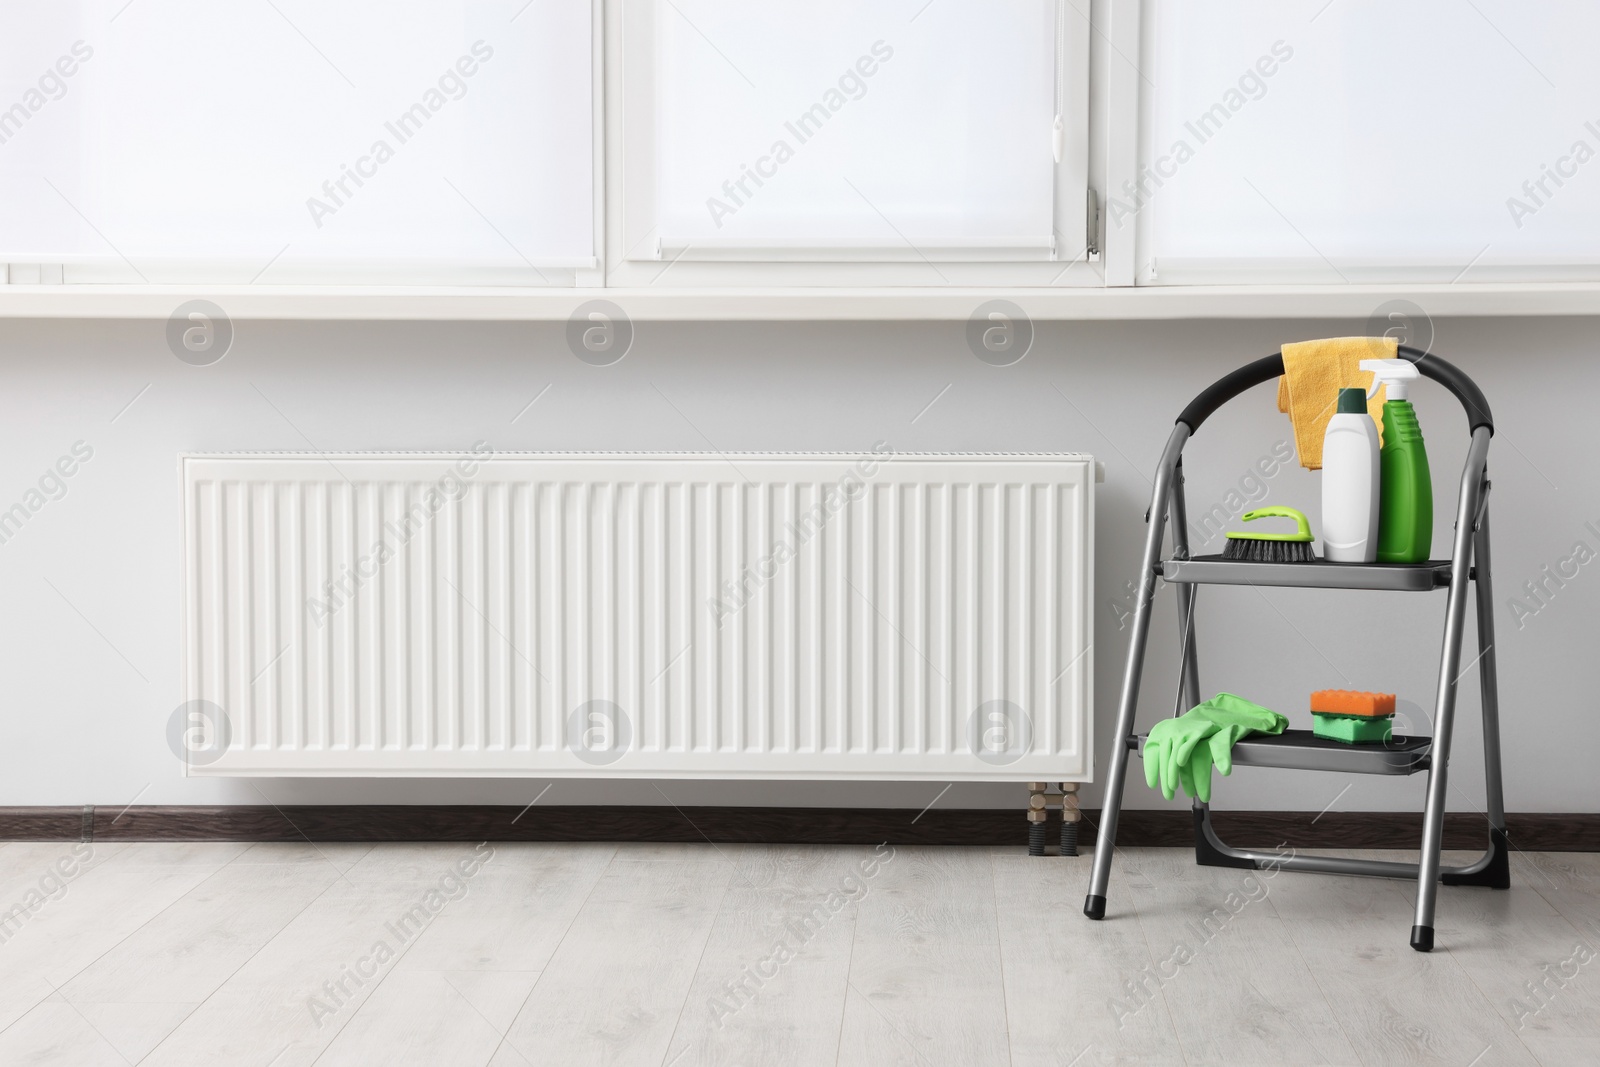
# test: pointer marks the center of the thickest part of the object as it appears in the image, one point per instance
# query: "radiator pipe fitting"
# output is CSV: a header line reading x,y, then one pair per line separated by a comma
x,y
1070,817
1038,813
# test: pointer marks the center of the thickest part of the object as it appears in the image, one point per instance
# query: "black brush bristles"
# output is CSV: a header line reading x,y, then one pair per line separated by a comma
x,y
1257,550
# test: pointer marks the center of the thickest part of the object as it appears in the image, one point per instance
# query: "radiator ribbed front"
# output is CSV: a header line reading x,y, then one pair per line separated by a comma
x,y
746,616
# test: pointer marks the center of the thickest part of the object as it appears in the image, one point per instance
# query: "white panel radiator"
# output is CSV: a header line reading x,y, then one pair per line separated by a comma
x,y
639,615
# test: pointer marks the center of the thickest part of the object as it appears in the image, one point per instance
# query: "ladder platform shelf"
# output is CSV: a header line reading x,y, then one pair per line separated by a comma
x,y
1395,577
1466,575
1302,750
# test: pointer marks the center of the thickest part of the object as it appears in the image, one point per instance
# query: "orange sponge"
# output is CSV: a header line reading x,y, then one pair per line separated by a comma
x,y
1352,702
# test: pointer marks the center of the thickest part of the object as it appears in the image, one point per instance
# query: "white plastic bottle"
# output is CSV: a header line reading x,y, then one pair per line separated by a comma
x,y
1350,482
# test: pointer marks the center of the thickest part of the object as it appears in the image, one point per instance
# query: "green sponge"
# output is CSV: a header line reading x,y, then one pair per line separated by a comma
x,y
1352,729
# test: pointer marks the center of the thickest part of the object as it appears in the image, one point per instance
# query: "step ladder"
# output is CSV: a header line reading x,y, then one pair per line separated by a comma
x,y
1300,749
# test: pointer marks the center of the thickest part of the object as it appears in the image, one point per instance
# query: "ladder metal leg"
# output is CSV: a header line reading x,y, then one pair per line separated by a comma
x,y
1444,711
1094,905
1494,869
1189,672
1489,681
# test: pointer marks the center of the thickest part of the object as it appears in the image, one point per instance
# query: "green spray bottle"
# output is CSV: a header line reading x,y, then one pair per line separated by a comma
x,y
1405,503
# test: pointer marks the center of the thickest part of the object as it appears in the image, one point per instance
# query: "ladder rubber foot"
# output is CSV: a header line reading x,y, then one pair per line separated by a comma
x,y
1422,938
1094,907
1206,854
1496,874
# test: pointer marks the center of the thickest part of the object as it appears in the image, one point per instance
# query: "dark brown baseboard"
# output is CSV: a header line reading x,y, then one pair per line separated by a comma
x,y
1528,831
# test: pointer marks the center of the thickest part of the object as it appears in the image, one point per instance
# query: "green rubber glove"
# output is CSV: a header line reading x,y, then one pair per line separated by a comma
x,y
1170,749
1216,749
1236,718
1182,751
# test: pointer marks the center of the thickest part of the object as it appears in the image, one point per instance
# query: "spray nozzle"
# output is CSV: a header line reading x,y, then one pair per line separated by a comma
x,y
1397,374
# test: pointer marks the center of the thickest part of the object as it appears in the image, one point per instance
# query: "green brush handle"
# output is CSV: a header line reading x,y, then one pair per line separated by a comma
x,y
1277,511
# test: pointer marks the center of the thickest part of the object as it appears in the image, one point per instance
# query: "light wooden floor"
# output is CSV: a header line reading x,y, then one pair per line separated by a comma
x,y
682,955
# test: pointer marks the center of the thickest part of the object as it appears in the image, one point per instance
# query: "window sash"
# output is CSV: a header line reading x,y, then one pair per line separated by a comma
x,y
1406,170
130,174
644,250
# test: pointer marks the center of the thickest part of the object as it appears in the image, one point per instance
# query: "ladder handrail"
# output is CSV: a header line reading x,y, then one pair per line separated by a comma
x,y
1265,369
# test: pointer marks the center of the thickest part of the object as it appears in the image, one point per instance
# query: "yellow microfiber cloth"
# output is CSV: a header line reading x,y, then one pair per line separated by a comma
x,y
1313,374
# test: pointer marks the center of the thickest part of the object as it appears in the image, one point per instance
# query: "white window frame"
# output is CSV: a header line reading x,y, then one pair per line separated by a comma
x,y
637,255
1111,286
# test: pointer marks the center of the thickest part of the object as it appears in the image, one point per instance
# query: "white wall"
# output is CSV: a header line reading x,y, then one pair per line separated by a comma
x,y
89,631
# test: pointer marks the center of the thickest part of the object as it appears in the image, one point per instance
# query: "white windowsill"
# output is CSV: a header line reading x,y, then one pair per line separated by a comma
x,y
512,304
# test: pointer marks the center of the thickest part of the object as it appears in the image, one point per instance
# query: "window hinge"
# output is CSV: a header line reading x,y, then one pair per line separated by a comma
x,y
1092,226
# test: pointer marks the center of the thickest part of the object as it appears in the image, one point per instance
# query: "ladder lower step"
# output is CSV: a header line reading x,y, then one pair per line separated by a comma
x,y
1302,750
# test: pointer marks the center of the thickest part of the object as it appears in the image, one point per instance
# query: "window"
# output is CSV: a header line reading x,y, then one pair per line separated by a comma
x,y
819,149
293,141
933,136
1366,141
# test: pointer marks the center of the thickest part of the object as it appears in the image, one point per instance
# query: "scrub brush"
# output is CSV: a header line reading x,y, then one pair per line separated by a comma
x,y
1272,547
